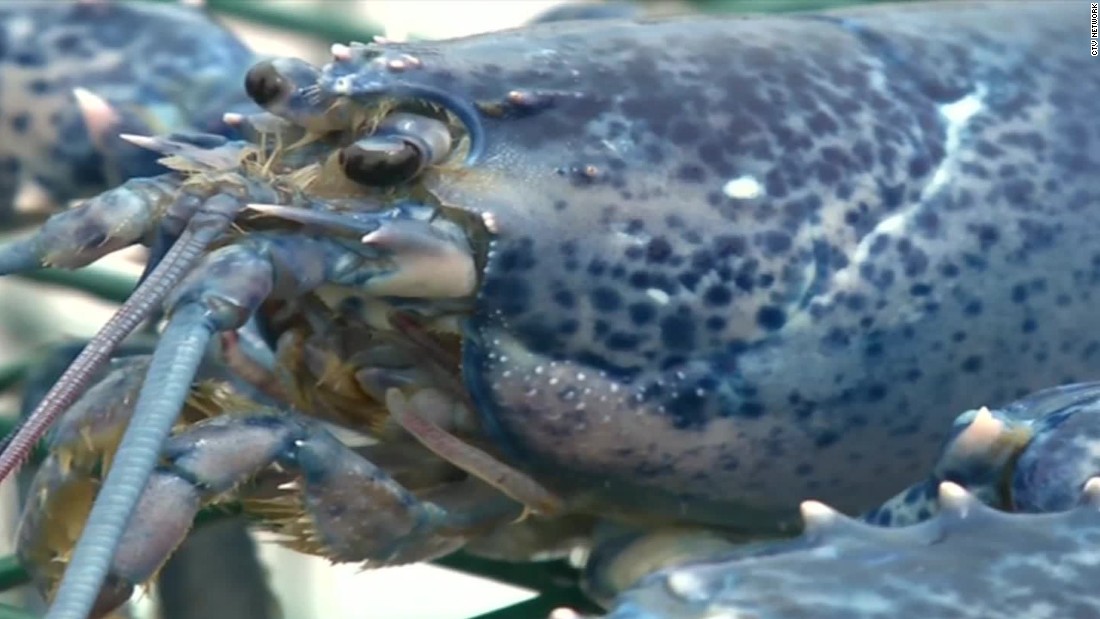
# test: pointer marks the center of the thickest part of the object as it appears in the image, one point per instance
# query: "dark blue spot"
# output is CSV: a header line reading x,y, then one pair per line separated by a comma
x,y
879,244
688,280
606,299
744,281
538,337
916,262
776,242
751,410
68,43
972,364
874,349
678,332
702,261
511,294
28,58
9,166
622,341
726,246
856,302
639,279
928,222
39,86
876,392
517,258
565,299
987,235
1019,293
691,173
771,317
892,195
687,410
20,122
835,339
975,262
658,250
642,313
718,295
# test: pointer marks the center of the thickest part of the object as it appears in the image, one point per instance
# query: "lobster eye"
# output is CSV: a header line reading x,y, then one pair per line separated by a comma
x,y
264,84
380,162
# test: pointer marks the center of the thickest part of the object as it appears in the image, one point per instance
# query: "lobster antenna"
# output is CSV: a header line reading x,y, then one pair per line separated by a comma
x,y
167,385
183,255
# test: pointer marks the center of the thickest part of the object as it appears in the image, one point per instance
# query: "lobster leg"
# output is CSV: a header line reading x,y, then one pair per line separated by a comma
x,y
221,294
332,502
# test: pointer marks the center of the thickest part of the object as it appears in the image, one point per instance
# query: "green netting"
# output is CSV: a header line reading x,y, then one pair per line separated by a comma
x,y
555,582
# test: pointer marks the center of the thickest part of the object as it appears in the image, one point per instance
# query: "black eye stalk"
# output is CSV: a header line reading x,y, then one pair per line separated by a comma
x,y
264,84
397,152
287,88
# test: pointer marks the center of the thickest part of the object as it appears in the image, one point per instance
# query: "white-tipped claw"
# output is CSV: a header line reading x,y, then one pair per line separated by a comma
x,y
428,265
32,196
266,208
141,141
954,499
232,119
686,585
564,613
980,436
99,116
817,515
340,51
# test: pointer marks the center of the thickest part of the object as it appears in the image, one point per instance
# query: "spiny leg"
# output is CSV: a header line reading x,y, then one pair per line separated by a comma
x,y
219,560
397,252
331,502
208,224
221,294
190,216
